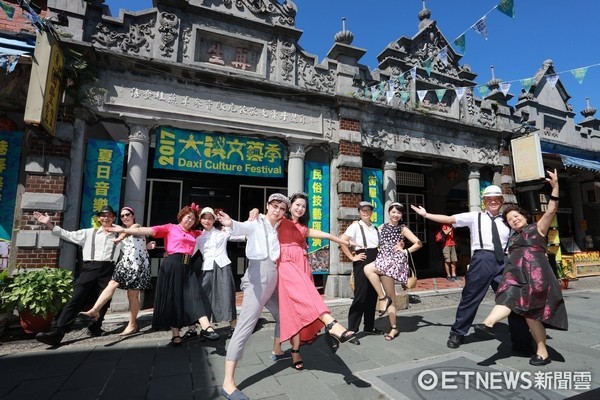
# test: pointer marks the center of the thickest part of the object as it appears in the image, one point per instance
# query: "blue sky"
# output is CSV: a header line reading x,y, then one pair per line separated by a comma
x,y
564,31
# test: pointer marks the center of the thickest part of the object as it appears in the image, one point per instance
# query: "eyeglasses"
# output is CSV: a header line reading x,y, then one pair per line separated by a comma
x,y
125,215
366,209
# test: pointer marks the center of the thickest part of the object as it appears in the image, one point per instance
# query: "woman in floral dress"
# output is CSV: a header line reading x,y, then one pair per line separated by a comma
x,y
132,273
529,286
391,264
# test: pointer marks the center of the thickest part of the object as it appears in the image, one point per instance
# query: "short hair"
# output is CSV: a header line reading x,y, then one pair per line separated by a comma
x,y
185,211
515,208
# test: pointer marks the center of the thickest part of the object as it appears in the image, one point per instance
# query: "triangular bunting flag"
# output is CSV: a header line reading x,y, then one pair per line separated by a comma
x,y
375,93
382,86
404,96
552,79
527,83
9,10
389,95
506,7
483,90
413,72
461,43
460,91
443,55
421,94
391,85
579,73
481,27
505,87
427,65
440,94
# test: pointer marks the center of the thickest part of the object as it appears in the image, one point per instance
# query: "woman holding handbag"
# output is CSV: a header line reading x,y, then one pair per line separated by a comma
x,y
391,264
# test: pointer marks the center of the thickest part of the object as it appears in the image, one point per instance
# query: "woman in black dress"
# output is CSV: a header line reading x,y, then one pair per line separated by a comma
x,y
529,286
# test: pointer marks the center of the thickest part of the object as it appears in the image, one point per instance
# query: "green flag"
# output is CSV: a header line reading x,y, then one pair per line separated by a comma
x,y
10,11
427,65
461,43
506,7
527,83
483,90
579,74
440,94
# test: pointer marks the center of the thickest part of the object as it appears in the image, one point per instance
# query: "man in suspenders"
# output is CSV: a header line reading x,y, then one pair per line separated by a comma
x,y
100,254
489,238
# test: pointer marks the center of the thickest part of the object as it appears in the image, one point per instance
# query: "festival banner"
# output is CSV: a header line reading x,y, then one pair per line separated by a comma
x,y
10,159
183,150
316,182
372,180
102,177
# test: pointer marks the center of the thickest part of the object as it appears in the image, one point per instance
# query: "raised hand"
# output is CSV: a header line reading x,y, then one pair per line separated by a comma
x,y
41,218
225,219
419,210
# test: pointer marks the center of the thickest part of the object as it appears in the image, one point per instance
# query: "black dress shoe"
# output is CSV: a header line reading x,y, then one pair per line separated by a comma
x,y
454,341
373,331
538,361
95,331
484,331
51,338
210,335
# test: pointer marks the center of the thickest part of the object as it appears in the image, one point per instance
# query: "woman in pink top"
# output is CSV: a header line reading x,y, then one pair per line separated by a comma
x,y
179,301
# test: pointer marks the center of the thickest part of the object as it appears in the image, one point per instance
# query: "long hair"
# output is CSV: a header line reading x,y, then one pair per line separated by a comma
x,y
306,217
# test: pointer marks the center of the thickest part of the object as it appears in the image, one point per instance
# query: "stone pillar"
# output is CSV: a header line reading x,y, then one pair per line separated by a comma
x,y
389,183
68,251
473,186
137,165
577,201
296,168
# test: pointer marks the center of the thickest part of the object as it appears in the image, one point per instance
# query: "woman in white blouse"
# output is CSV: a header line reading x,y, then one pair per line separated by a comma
x,y
217,276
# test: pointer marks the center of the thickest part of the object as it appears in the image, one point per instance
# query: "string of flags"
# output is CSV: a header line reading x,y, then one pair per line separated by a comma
x,y
389,88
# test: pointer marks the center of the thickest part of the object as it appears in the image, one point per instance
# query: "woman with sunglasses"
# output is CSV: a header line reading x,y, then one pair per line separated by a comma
x,y
132,273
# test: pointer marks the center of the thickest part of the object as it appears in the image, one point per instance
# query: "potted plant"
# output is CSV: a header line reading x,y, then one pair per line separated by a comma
x,y
38,295
6,309
564,271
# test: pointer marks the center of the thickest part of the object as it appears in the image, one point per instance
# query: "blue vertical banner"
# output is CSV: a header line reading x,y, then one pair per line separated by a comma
x,y
102,178
372,180
316,177
10,160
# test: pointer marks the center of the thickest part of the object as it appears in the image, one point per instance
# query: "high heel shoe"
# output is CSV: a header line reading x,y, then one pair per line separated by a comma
x,y
298,365
389,336
175,342
91,313
210,335
387,305
333,340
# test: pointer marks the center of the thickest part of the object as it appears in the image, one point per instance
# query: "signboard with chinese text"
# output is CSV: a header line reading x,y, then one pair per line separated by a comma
x,y
44,84
372,180
102,178
183,150
10,159
316,182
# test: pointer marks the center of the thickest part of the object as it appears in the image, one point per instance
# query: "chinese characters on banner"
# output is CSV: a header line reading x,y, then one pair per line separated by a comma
x,y
182,150
316,176
372,180
102,178
10,157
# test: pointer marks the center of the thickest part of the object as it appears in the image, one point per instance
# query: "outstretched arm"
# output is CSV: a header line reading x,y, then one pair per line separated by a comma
x,y
139,231
315,233
544,223
442,219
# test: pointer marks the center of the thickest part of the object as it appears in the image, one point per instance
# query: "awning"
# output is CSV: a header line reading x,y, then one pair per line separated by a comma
x,y
580,163
17,47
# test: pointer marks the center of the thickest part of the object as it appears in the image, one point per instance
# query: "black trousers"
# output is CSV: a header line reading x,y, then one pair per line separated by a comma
x,y
92,280
483,272
365,297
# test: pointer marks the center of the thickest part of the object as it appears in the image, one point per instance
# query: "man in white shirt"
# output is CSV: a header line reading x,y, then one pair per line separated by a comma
x,y
100,254
259,283
486,267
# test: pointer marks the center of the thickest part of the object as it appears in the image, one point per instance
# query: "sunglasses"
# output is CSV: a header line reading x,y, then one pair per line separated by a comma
x,y
125,215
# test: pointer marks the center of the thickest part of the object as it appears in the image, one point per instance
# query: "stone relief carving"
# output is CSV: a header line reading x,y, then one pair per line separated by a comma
x,y
288,50
139,134
284,14
428,46
330,124
486,118
486,154
168,32
186,38
379,139
131,42
272,55
311,79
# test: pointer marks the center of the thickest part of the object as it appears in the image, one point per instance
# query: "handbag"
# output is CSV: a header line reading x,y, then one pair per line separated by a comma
x,y
411,282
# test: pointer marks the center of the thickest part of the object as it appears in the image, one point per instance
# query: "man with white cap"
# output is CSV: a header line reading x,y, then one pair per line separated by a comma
x,y
259,283
489,237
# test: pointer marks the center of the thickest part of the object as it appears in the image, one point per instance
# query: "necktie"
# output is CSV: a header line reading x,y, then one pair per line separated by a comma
x,y
498,252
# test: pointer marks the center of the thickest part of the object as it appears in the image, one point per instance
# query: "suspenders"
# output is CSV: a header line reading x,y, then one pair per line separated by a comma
x,y
112,253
